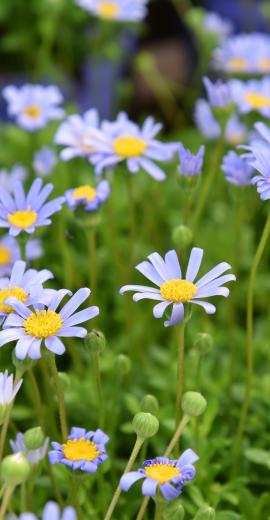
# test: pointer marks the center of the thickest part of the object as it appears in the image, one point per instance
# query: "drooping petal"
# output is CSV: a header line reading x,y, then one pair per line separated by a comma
x,y
149,487
176,316
129,479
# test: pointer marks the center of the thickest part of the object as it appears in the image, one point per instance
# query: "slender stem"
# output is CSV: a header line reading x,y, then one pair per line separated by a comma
x,y
208,183
180,369
96,366
37,399
137,446
55,485
4,431
159,509
114,236
249,344
5,502
60,396
93,259
132,218
142,509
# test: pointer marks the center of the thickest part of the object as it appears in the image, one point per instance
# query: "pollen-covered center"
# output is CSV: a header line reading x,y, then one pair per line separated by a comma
x,y
84,192
33,111
42,324
129,146
108,9
177,291
264,64
5,255
80,449
162,472
257,100
238,63
8,292
22,218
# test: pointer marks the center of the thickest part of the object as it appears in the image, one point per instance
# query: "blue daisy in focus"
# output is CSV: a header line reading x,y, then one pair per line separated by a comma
x,y
236,169
74,134
168,475
87,196
26,212
51,511
38,324
190,164
44,161
124,140
83,450
253,95
34,456
117,10
244,53
24,285
33,106
175,290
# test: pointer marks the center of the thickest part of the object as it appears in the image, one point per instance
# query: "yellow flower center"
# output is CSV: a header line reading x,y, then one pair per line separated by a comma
x,y
42,324
129,146
264,64
80,449
22,218
84,192
33,111
108,9
177,291
257,100
238,64
162,472
5,255
7,292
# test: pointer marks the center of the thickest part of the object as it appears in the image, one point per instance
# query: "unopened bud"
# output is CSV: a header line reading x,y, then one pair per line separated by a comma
x,y
33,438
15,469
145,425
95,341
149,404
174,512
203,342
193,404
205,513
122,364
182,236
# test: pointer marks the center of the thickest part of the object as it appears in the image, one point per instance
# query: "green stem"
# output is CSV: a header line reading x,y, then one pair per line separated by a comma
x,y
4,431
249,344
95,357
159,509
6,500
180,369
137,446
93,259
132,218
60,396
37,399
208,183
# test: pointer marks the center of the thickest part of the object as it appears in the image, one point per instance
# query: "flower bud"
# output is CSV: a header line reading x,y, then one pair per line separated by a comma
x,y
193,404
15,469
205,513
122,364
174,511
145,425
203,342
149,404
182,236
95,341
33,438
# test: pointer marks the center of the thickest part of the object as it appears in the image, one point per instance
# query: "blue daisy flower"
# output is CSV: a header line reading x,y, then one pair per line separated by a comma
x,y
44,161
236,54
83,450
8,389
205,121
38,324
190,164
117,10
51,511
87,196
33,106
75,133
168,475
123,140
218,93
236,169
26,212
253,95
34,456
174,290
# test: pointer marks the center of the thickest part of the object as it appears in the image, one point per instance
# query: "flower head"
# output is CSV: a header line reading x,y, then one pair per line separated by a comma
x,y
124,140
259,158
190,164
236,169
118,10
33,106
253,95
10,252
38,324
51,511
215,24
8,389
205,121
82,450
44,161
244,53
235,131
26,212
88,196
75,133
218,93
9,178
168,475
34,456
175,290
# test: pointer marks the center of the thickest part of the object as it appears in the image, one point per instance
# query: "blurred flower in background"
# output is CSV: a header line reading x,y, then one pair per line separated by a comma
x,y
10,252
218,93
244,53
44,161
253,95
214,23
75,134
87,196
117,10
190,164
50,512
8,178
33,455
236,169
